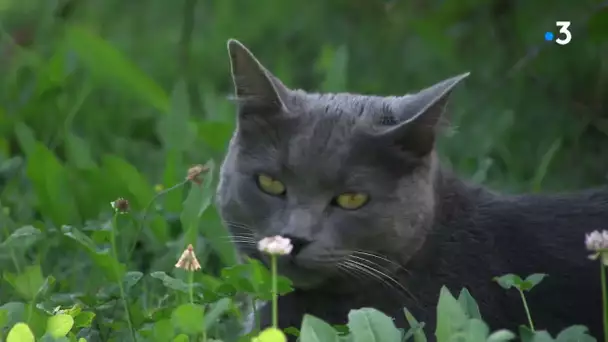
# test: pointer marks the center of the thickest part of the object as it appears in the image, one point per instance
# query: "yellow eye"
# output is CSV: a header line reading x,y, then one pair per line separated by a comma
x,y
270,185
351,200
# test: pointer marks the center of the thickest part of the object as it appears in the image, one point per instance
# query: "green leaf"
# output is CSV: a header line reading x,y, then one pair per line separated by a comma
x,y
531,281
468,304
112,269
188,319
475,331
575,333
3,318
131,278
501,336
598,25
79,152
163,331
59,325
316,330
170,282
21,239
272,335
416,329
110,66
509,280
451,318
215,311
27,283
198,200
181,338
20,332
371,325
84,319
52,188
215,134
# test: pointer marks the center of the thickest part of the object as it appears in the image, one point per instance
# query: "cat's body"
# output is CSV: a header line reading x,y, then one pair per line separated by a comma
x,y
354,182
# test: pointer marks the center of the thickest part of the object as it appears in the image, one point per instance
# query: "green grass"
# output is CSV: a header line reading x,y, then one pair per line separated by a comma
x,y
101,100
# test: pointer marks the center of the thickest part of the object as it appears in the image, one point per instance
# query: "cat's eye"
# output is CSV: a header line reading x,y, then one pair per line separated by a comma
x,y
270,185
351,200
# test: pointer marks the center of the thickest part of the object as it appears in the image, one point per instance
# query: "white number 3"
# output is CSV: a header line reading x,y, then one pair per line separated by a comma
x,y
563,29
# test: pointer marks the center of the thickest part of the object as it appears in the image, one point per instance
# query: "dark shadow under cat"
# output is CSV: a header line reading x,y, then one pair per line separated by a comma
x,y
355,183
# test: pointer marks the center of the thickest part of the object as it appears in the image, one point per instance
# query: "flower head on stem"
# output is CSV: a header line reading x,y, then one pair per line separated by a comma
x,y
275,245
188,261
120,206
195,172
597,242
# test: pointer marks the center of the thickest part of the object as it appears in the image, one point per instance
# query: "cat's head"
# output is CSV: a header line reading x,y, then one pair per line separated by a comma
x,y
348,178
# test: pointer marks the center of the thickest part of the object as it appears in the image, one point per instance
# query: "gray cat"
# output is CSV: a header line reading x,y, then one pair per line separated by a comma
x,y
354,181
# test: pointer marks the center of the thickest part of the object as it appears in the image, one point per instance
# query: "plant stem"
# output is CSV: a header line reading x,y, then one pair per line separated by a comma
x,y
523,299
191,295
604,298
119,275
275,299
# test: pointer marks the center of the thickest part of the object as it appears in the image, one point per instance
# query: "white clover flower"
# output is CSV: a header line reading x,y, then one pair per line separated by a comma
x,y
275,245
597,242
188,260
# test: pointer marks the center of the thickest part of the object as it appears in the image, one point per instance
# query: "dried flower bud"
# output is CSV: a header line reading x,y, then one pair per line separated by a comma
x,y
275,245
195,172
120,206
188,261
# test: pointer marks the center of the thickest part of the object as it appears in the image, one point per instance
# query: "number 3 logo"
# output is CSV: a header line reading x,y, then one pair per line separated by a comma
x,y
563,29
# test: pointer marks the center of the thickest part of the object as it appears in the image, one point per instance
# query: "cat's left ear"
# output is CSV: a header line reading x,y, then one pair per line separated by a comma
x,y
254,86
418,115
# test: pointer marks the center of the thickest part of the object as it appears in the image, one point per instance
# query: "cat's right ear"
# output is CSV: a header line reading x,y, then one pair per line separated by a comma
x,y
256,89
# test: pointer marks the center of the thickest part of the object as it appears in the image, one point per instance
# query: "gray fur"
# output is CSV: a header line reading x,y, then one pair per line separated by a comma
x,y
436,229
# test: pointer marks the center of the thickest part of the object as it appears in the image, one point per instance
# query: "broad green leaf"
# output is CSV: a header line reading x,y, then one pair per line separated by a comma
x,y
14,313
575,333
59,325
531,281
598,25
170,282
112,269
20,332
84,319
25,136
21,239
475,331
451,318
110,66
371,325
501,336
181,338
468,304
509,280
316,330
131,278
3,318
188,319
51,185
416,328
79,152
27,283
274,335
163,330
215,312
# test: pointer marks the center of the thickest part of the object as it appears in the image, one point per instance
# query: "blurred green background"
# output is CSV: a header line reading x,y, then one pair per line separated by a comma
x,y
101,99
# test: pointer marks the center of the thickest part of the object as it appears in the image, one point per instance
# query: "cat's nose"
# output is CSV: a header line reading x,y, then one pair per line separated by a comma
x,y
298,243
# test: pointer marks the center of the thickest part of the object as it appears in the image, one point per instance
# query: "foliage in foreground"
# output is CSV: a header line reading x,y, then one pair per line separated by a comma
x,y
205,307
